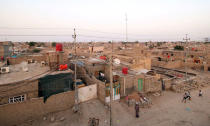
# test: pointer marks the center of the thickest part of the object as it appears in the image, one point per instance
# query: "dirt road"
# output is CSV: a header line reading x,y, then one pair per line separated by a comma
x,y
167,110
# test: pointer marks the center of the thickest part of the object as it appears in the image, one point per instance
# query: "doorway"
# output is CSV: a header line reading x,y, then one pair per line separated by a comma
x,y
140,84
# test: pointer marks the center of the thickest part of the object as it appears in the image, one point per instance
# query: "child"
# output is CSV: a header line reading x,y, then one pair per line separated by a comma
x,y
200,93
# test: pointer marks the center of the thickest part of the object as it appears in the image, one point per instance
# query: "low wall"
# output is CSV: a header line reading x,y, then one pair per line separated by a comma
x,y
152,85
101,92
18,60
81,72
194,65
169,64
11,114
87,93
167,83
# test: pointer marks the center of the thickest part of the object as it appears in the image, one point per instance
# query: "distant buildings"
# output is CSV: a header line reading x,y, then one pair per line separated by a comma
x,y
6,49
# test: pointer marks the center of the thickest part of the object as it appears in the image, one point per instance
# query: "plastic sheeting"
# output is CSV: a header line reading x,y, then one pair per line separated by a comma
x,y
54,84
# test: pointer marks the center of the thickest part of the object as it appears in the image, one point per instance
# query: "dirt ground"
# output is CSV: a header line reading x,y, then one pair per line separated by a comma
x,y
167,110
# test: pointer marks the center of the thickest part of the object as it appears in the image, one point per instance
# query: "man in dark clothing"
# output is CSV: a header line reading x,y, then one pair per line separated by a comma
x,y
137,110
184,98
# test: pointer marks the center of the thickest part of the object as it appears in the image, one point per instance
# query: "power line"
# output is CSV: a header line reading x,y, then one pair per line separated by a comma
x,y
19,28
135,36
69,28
81,35
34,35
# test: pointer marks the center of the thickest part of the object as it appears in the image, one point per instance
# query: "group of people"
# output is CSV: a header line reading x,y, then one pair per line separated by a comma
x,y
187,96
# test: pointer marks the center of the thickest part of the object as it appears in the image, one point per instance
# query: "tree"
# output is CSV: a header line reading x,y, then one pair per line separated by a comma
x,y
151,46
53,44
146,43
178,47
32,44
159,43
36,50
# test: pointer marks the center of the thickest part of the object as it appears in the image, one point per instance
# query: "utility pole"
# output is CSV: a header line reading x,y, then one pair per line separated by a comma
x,y
186,39
111,87
76,107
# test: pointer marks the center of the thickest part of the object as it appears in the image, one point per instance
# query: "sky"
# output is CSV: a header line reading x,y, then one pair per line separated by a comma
x,y
104,20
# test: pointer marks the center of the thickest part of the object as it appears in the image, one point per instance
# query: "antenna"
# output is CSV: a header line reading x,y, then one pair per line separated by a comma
x,y
186,38
186,56
126,27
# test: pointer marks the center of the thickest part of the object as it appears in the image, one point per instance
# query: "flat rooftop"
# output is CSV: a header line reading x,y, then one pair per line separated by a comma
x,y
17,74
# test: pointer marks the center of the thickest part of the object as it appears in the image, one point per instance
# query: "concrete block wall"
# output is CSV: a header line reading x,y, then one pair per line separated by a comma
x,y
12,114
29,88
167,83
152,85
127,84
101,94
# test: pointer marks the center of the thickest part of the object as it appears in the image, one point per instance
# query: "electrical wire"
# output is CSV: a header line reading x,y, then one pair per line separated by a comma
x,y
108,34
68,28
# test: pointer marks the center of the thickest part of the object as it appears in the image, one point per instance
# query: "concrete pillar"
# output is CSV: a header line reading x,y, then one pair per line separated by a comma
x,y
205,66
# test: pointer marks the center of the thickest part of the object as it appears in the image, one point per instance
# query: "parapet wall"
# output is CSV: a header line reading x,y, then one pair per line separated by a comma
x,y
18,60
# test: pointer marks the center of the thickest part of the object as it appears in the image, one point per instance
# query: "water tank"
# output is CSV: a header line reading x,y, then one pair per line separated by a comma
x,y
59,47
125,70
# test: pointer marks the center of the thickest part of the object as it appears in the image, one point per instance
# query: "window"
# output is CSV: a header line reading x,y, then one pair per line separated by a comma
x,y
17,99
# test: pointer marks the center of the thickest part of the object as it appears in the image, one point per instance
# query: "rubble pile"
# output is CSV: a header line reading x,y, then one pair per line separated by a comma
x,y
191,85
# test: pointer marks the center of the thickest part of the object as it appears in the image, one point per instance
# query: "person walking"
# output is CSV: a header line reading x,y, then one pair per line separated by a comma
x,y
127,100
188,95
137,110
184,97
200,93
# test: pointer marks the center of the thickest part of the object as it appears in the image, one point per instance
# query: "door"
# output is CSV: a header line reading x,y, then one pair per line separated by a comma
x,y
140,84
116,91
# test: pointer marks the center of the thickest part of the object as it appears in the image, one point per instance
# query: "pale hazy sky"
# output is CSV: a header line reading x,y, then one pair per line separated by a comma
x,y
147,19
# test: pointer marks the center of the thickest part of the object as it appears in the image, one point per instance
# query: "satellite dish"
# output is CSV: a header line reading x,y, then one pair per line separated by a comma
x,y
116,61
